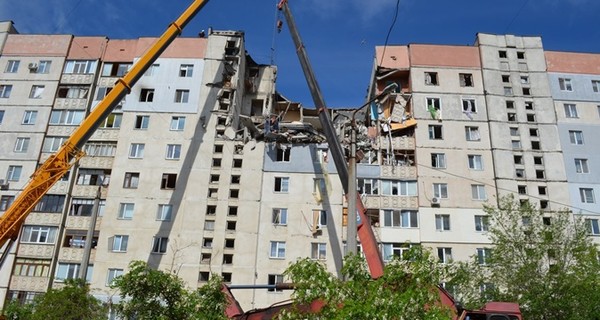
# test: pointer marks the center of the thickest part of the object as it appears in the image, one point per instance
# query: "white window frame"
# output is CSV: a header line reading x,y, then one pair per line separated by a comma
x,y
465,105
442,222
112,274
587,195
12,66
126,210
186,70
36,91
39,234
177,123
182,96
160,245
29,117
445,254
281,183
318,250
565,84
393,249
277,250
596,85
152,70
483,254
119,243
593,227
165,212
432,132
173,152
280,216
472,133
44,66
478,192
80,67
5,90
438,160
274,279
147,95
576,137
475,162
400,218
440,190
482,223
66,117
570,110
581,165
136,151
22,144
14,173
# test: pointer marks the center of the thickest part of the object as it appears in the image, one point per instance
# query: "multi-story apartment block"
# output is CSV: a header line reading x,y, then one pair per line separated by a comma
x,y
205,169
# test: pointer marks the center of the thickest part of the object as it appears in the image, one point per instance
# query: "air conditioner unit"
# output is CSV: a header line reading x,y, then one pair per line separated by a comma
x,y
32,66
435,200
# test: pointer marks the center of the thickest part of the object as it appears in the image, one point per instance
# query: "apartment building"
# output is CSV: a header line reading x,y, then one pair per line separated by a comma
x,y
205,169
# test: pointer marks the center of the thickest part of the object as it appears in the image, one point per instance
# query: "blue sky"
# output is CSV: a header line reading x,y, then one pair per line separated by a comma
x,y
340,35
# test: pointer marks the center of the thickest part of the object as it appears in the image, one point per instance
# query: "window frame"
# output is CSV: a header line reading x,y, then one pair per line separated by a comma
x,y
587,195
478,192
564,84
581,165
442,222
22,144
159,245
472,133
177,123
570,110
482,223
281,185
136,150
576,137
279,216
119,243
164,212
277,249
173,152
126,211
440,190
475,162
318,251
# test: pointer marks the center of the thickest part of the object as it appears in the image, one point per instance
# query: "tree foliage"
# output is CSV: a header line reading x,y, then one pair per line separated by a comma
x,y
153,294
71,302
408,289
544,261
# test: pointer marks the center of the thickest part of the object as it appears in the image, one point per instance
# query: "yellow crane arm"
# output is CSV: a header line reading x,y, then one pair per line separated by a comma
x,y
59,163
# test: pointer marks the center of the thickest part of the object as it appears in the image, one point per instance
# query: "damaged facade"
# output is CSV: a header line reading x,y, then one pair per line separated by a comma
x,y
206,168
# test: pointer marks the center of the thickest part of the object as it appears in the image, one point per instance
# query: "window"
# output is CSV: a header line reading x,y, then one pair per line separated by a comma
x,y
400,218
528,105
282,184
565,84
445,255
237,163
530,117
141,122
67,117
147,95
520,55
66,271
484,255
182,96
132,179
136,151
44,66
283,155
31,267
186,70
593,226
534,132
587,195
5,90
570,110
22,145
168,181
126,211
115,69
112,121
279,216
234,193
538,160
274,279
29,117
51,203
152,70
119,243
398,188
518,159
506,78
159,244
510,104
81,207
516,144
320,218
522,189
235,179
478,192
433,106
508,91
177,123
440,190
539,174
368,186
93,177
101,92
526,91
514,131
277,249
209,225
391,250
536,145
481,223
435,132
524,79
502,54
1,116
164,212
112,274
581,166
438,160
472,134
542,190
576,137
12,66
14,173
442,222
36,91
318,251
465,79
431,78
469,106
80,66
173,151
5,202
39,234
229,243
475,162
596,85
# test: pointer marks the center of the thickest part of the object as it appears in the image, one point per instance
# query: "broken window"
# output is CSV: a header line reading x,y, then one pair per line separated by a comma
x,y
510,104
279,216
211,210
433,104
538,160
502,54
186,70
115,69
213,193
512,117
542,190
469,105
282,184
540,174
131,180
368,186
520,55
534,132
168,181
141,122
274,279
218,148
398,157
229,243
227,259
438,160
535,145
234,193
147,95
283,154
520,173
435,132
518,159
216,162
235,179
73,92
93,177
237,163
232,211
530,117
526,91
506,78
466,79
524,79
159,245
508,91
431,78
522,189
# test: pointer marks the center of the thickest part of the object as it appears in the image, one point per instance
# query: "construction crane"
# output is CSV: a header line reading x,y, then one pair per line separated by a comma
x,y
60,162
370,248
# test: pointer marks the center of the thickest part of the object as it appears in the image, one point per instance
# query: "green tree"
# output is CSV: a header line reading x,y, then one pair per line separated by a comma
x,y
73,301
154,294
544,261
408,289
